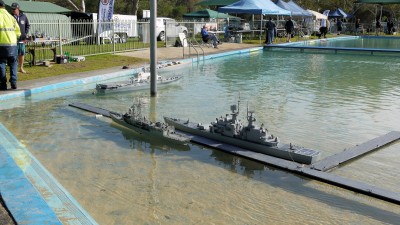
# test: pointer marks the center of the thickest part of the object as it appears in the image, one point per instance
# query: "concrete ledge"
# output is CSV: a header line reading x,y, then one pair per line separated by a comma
x,y
19,169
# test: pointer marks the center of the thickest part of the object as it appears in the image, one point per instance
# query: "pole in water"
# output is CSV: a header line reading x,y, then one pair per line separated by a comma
x,y
153,48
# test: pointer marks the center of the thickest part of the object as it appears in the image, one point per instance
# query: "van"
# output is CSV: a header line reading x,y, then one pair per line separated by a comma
x,y
173,28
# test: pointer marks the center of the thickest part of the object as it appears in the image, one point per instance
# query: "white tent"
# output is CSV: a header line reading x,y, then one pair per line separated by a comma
x,y
317,15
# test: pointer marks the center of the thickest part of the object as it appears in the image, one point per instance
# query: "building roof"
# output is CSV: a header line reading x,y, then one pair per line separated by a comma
x,y
37,7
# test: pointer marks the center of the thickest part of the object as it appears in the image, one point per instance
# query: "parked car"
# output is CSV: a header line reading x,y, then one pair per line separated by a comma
x,y
173,28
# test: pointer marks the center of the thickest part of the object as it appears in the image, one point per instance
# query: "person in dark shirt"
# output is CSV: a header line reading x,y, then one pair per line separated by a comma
x,y
390,26
270,26
24,26
289,27
339,26
357,26
378,27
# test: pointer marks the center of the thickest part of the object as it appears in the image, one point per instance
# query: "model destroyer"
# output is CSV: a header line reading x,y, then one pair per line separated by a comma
x,y
230,130
140,82
133,120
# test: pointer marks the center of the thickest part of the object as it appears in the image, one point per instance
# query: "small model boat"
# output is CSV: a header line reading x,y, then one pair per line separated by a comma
x,y
134,121
140,82
230,130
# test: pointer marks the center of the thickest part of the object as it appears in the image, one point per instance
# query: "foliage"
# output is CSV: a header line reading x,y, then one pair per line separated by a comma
x,y
176,8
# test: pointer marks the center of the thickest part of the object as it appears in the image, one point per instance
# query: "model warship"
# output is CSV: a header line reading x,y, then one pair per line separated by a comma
x,y
140,82
230,130
134,121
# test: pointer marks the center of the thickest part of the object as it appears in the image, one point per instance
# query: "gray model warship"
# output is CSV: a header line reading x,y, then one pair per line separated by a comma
x,y
140,82
230,130
134,121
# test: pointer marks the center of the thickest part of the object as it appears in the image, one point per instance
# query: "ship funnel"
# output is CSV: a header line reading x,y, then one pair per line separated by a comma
x,y
233,108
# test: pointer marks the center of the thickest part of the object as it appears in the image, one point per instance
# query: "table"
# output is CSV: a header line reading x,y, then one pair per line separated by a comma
x,y
246,33
41,44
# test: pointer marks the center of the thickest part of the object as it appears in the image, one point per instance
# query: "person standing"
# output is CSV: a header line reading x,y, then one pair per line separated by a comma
x,y
378,27
24,26
339,26
289,27
9,34
390,26
357,26
270,31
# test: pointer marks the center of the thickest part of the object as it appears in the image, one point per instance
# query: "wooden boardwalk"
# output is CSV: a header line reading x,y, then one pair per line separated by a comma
x,y
358,151
302,48
315,171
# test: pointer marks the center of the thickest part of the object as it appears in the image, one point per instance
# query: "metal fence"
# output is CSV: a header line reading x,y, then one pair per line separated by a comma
x,y
49,39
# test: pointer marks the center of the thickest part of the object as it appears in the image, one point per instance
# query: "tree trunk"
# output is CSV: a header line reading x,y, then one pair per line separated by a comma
x,y
135,7
74,5
83,5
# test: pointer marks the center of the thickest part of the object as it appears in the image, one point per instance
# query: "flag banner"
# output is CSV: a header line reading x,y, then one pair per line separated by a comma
x,y
106,10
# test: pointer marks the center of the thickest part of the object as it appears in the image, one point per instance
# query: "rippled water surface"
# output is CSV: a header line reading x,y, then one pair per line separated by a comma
x,y
362,42
326,102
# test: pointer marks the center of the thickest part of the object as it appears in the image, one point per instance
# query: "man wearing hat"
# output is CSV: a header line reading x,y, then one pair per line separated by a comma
x,y
24,27
9,34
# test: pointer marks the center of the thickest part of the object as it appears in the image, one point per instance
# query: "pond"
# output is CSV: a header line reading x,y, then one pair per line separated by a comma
x,y
328,102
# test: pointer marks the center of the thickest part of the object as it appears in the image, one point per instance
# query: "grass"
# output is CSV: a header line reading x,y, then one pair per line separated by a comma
x,y
91,63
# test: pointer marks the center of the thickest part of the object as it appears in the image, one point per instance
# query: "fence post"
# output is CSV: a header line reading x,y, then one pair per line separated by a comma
x,y
59,36
113,35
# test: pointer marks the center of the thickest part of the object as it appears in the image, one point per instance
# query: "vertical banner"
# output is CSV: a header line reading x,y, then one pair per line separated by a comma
x,y
106,10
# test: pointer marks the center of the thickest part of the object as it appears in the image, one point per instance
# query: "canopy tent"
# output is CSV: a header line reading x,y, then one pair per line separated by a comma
x,y
339,13
285,5
208,13
216,2
265,7
381,2
293,8
317,15
296,7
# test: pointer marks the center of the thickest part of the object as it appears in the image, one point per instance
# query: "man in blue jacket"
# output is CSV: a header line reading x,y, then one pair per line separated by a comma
x,y
9,33
24,26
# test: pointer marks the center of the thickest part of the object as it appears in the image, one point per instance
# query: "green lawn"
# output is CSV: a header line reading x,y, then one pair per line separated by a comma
x,y
91,63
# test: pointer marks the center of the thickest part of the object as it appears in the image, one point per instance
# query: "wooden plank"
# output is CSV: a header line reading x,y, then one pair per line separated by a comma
x,y
90,108
372,50
304,170
353,153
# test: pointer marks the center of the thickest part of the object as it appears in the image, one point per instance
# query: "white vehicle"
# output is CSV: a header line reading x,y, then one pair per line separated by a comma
x,y
173,28
124,26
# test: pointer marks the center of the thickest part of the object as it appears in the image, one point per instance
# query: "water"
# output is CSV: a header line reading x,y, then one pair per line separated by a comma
x,y
362,42
325,102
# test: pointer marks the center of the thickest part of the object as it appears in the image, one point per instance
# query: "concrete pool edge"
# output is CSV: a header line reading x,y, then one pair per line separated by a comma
x,y
18,171
101,75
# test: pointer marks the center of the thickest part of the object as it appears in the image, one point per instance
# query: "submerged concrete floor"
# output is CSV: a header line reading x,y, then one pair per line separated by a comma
x,y
170,53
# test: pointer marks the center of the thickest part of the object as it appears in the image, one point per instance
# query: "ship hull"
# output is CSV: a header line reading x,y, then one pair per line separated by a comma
x,y
300,155
123,86
174,138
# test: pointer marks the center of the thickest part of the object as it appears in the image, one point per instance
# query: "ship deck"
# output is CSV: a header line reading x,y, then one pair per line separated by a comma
x,y
317,171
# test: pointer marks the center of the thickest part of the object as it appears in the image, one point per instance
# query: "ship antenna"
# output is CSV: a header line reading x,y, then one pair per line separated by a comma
x,y
238,110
